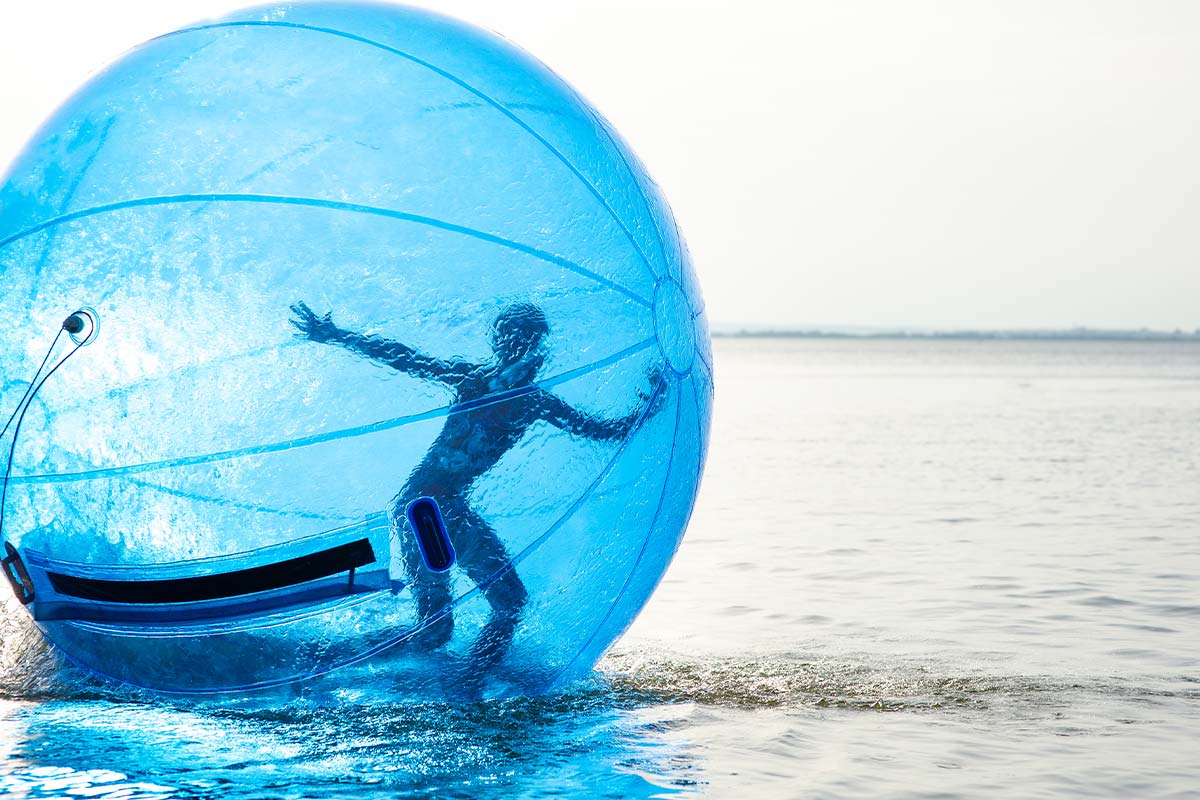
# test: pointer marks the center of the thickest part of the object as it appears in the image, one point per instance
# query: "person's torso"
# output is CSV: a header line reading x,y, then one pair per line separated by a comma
x,y
485,421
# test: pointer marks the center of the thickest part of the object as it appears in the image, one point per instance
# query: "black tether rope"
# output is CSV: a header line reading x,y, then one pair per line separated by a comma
x,y
72,326
29,388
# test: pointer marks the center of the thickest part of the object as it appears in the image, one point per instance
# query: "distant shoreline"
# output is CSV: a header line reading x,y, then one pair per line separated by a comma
x,y
1063,335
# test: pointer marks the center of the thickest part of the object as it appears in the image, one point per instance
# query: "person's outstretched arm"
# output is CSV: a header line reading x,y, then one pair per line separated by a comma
x,y
562,415
384,351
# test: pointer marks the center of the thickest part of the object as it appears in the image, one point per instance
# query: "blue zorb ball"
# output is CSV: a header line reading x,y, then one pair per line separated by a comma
x,y
403,378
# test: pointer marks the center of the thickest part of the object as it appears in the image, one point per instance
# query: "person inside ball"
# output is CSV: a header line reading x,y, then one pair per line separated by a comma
x,y
474,438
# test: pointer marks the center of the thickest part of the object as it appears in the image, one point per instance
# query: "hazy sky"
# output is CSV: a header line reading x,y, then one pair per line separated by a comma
x,y
953,163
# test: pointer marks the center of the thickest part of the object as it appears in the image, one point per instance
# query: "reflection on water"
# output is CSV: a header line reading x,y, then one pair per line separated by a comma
x,y
917,569
566,745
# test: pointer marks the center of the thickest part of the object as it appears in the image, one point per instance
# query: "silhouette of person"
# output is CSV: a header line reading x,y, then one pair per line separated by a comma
x,y
475,436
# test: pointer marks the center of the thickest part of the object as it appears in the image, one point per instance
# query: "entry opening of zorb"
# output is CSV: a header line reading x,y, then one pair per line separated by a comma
x,y
404,374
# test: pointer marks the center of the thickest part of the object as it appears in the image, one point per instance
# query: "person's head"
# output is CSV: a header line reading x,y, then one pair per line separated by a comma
x,y
518,332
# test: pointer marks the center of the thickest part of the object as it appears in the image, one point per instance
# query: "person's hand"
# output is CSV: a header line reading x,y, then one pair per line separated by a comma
x,y
318,329
656,397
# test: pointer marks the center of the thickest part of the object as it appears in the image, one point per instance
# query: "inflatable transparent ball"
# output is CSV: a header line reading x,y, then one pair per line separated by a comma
x,y
403,378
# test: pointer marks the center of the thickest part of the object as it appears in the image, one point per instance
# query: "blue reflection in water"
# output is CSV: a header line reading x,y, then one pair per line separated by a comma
x,y
593,741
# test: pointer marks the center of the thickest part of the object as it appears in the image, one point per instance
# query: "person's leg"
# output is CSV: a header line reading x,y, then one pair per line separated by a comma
x,y
482,555
430,589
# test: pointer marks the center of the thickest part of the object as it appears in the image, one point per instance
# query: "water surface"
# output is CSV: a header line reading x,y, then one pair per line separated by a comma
x,y
916,569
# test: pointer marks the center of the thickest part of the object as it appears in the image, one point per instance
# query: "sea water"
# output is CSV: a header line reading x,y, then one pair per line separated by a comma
x,y
916,569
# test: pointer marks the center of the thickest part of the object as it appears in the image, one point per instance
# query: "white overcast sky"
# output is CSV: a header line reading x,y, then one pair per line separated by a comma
x,y
932,163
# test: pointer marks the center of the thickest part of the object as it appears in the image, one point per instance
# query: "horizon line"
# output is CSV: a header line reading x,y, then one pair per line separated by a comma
x,y
1078,333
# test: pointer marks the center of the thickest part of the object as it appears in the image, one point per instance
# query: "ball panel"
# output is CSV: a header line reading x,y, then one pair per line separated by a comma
x,y
527,89
214,322
206,112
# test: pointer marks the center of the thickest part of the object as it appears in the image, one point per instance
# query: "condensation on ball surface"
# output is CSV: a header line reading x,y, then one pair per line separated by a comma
x,y
424,183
